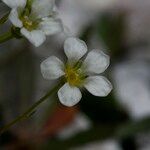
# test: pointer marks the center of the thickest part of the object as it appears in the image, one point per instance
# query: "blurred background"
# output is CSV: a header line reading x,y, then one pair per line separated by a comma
x,y
120,121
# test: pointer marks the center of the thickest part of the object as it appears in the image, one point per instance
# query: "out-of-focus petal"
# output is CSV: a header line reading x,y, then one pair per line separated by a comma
x,y
51,26
15,3
36,37
42,8
14,18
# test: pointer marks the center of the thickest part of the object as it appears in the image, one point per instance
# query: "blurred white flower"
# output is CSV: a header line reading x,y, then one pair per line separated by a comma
x,y
97,4
79,124
35,18
76,73
132,87
78,14
109,144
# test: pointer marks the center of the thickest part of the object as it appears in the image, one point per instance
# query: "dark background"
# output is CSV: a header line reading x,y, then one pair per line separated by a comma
x,y
120,121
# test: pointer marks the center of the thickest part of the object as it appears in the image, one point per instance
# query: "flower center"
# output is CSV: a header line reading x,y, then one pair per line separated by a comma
x,y
28,23
73,76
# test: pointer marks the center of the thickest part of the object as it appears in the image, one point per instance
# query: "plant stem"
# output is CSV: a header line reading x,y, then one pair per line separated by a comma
x,y
4,18
6,36
29,111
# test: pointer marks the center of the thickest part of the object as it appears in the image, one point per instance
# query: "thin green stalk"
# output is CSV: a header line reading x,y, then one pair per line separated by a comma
x,y
6,36
4,18
29,111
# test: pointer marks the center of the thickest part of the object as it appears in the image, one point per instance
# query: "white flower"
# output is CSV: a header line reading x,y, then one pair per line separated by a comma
x,y
35,18
78,73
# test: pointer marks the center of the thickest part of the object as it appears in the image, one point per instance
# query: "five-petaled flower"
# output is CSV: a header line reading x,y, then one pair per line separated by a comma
x,y
78,73
35,18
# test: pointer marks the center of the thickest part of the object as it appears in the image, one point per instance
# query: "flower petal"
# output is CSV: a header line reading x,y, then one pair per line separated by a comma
x,y
36,37
74,48
14,18
42,8
68,95
98,85
96,62
52,68
15,3
51,26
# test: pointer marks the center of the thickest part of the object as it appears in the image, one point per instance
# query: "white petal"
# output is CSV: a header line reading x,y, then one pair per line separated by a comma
x,y
14,18
42,8
74,48
15,3
96,62
36,37
52,68
51,26
98,85
68,95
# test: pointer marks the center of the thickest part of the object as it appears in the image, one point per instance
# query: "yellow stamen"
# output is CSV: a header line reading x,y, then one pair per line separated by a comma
x,y
73,76
28,23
